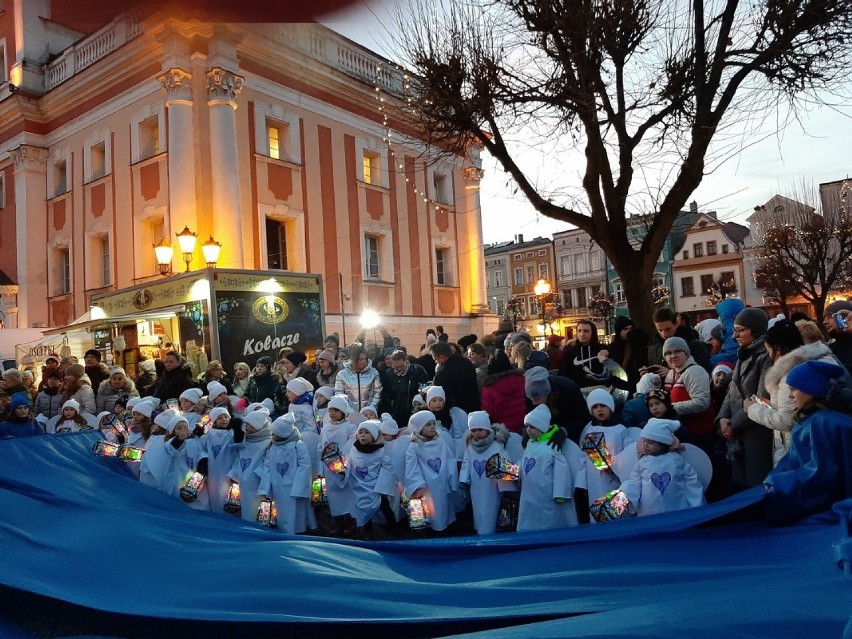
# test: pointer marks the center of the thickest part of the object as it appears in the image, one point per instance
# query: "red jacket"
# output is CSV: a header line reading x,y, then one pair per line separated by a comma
x,y
505,400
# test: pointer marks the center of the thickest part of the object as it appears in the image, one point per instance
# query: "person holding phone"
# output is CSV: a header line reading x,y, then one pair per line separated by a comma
x,y
840,337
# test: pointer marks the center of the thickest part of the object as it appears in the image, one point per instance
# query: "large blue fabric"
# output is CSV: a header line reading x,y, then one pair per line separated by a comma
x,y
79,529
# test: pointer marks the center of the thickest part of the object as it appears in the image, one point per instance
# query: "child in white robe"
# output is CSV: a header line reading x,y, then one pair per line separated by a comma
x,y
662,479
188,402
186,456
250,453
614,437
547,487
484,440
391,483
219,445
321,397
431,473
152,467
451,421
301,397
364,466
338,429
285,477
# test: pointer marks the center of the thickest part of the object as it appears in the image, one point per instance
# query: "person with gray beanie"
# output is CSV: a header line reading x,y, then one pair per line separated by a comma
x,y
561,395
749,443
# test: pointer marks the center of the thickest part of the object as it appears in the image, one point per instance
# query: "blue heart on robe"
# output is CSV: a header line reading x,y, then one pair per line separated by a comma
x,y
217,449
479,466
361,472
282,468
190,462
434,464
660,481
244,463
529,464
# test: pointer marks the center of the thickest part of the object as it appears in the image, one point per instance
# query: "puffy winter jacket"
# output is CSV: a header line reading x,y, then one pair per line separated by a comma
x,y
48,405
107,395
363,388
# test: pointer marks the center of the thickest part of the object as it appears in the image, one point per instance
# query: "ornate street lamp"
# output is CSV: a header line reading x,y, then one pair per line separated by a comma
x,y
186,240
211,249
163,252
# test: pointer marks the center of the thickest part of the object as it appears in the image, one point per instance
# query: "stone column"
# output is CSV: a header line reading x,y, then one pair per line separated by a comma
x,y
473,295
30,226
222,89
181,147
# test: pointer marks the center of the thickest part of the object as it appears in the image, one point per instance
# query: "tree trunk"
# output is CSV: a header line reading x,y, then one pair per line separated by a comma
x,y
635,272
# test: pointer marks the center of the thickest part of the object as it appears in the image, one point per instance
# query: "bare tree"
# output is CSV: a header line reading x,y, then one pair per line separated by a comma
x,y
636,89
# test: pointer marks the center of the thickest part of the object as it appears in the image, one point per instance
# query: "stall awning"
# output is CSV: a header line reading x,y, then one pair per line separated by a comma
x,y
85,322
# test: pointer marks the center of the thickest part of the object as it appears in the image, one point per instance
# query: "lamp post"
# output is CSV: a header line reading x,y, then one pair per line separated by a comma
x,y
163,252
186,240
542,290
370,320
211,249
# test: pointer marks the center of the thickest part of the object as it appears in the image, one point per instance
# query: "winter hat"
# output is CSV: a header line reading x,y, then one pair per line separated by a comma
x,y
102,414
144,407
20,399
418,402
325,391
265,361
162,420
148,365
478,419
622,322
600,396
537,358
389,425
647,383
675,344
284,425
296,358
268,404
194,395
660,394
174,421
52,356
838,305
538,417
71,403
775,320
754,319
132,402
435,391
258,419
117,370
327,355
217,412
814,377
431,339
299,386
372,426
76,370
466,341
94,353
420,419
537,382
660,430
705,328
364,410
250,408
214,389
722,368
716,332
341,403
520,336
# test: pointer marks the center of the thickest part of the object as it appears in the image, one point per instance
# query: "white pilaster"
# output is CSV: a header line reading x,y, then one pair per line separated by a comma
x,y
474,298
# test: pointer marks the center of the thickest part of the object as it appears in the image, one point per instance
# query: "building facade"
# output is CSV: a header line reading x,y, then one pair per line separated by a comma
x,y
580,274
497,286
281,141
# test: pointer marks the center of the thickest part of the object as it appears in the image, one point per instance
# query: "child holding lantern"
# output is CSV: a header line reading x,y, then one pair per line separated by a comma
x,y
451,421
431,472
152,468
71,421
186,456
249,457
189,405
338,430
218,444
300,395
364,466
547,484
285,476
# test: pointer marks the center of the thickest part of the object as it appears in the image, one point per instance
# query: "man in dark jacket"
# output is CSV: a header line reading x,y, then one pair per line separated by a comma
x,y
456,376
400,383
665,321
96,371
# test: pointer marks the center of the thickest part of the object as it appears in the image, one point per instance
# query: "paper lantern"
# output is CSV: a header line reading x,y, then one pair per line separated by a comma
x,y
333,459
130,453
417,515
232,503
614,505
106,449
319,492
267,513
501,468
194,483
594,445
507,516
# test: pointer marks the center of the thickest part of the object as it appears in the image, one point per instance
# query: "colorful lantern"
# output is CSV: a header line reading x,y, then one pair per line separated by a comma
x,y
319,492
501,468
267,513
507,516
333,459
594,445
204,422
106,449
417,514
194,483
614,505
232,503
130,453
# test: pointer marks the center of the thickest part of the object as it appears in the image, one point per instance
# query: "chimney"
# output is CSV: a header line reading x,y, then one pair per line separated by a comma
x,y
519,239
693,207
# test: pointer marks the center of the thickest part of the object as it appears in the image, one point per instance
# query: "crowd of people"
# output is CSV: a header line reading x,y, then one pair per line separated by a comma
x,y
515,437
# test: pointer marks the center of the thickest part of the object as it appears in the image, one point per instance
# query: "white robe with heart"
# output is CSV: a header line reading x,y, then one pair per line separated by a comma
x,y
432,465
663,483
285,476
600,482
340,498
249,457
362,475
221,452
182,462
545,478
485,493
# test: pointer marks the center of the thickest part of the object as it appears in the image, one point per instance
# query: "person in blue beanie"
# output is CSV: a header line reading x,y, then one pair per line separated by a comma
x,y
20,421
